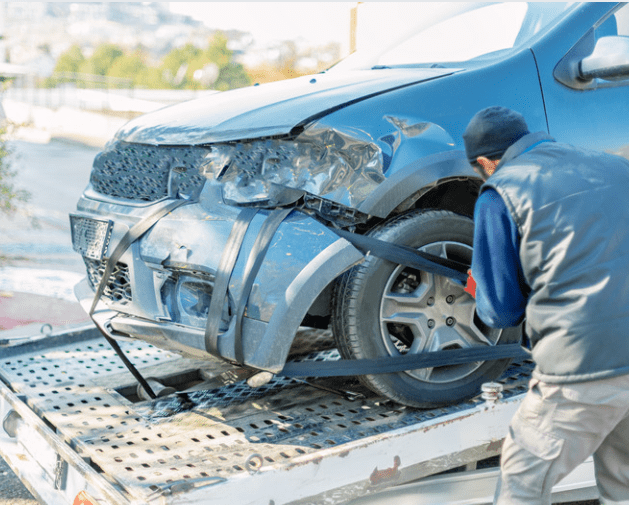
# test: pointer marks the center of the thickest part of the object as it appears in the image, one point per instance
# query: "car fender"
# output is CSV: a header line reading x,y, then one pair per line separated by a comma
x,y
266,346
421,173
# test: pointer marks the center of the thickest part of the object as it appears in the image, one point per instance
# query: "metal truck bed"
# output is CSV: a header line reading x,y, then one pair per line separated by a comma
x,y
73,422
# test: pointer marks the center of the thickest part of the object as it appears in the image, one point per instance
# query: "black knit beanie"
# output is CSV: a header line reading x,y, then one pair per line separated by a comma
x,y
492,131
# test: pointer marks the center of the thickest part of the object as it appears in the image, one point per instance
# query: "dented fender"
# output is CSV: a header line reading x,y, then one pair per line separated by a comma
x,y
267,348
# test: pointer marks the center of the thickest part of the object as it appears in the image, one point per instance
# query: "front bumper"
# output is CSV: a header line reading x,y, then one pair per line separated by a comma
x,y
166,279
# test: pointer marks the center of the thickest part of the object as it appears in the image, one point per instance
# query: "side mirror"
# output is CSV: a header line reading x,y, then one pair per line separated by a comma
x,y
608,61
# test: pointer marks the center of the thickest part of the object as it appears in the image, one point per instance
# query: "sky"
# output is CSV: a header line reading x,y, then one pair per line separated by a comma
x,y
315,22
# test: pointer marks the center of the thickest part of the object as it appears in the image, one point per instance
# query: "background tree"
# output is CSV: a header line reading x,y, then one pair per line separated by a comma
x,y
231,74
9,194
186,67
102,60
129,66
175,66
71,60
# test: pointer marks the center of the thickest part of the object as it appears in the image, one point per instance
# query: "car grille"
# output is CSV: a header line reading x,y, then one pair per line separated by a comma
x,y
142,172
118,288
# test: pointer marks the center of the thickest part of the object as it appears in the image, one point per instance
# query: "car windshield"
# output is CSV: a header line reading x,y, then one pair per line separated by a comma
x,y
457,33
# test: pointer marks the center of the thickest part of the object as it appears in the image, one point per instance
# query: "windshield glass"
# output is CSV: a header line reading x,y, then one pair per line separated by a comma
x,y
462,32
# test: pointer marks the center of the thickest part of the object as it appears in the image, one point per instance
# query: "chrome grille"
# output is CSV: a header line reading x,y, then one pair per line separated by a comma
x,y
118,288
142,172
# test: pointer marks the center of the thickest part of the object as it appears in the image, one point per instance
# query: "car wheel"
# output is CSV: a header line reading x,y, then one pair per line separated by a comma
x,y
383,309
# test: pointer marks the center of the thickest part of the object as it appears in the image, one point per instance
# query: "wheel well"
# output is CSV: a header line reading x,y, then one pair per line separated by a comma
x,y
458,195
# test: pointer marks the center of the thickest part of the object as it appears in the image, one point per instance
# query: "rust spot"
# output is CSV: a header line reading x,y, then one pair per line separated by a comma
x,y
495,445
386,475
22,457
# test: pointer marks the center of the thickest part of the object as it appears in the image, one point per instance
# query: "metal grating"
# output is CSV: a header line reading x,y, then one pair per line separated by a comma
x,y
118,288
142,172
201,436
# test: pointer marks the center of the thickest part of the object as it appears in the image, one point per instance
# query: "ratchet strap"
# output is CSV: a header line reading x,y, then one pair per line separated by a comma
x,y
406,256
225,267
254,262
392,364
134,233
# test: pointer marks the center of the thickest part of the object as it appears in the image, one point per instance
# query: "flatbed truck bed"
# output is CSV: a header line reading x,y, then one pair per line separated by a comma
x,y
73,421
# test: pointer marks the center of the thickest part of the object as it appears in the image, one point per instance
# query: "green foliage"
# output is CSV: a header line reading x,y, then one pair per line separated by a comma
x,y
151,78
102,60
187,67
71,60
128,66
9,194
231,74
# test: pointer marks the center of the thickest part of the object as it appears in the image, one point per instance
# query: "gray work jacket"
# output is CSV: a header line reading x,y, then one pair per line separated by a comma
x,y
571,207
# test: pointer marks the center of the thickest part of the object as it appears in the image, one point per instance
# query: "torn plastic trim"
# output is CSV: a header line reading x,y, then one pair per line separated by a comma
x,y
342,166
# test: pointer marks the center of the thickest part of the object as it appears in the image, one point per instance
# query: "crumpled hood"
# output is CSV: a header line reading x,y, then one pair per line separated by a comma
x,y
266,110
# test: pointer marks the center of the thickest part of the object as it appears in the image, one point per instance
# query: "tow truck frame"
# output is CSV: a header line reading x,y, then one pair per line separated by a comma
x,y
73,421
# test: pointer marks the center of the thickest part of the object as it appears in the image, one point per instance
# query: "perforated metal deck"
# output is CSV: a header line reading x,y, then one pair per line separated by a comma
x,y
202,438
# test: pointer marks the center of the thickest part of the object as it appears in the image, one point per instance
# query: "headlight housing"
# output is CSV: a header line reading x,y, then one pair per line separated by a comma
x,y
325,162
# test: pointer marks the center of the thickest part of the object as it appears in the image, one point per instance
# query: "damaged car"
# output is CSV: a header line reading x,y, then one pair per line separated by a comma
x,y
212,228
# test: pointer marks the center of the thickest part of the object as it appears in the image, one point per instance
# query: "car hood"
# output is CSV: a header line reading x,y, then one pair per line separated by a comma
x,y
266,110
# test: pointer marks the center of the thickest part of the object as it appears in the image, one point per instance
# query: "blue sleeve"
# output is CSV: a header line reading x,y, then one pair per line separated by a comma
x,y
501,291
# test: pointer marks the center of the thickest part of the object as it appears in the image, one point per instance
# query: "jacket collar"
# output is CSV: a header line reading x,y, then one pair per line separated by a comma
x,y
523,145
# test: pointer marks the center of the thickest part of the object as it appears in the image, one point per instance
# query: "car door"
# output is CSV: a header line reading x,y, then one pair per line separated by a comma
x,y
589,112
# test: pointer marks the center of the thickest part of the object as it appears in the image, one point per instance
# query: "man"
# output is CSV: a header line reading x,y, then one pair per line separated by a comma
x,y
551,247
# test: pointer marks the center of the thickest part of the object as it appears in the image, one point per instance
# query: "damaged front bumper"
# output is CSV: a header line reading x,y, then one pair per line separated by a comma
x,y
162,286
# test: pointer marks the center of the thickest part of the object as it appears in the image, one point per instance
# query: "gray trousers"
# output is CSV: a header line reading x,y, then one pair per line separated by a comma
x,y
555,429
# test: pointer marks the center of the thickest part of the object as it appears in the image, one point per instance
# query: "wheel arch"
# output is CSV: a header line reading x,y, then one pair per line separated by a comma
x,y
443,180
270,350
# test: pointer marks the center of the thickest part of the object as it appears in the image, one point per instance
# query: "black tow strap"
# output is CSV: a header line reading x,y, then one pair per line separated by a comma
x,y
406,256
134,233
392,364
221,284
254,262
395,253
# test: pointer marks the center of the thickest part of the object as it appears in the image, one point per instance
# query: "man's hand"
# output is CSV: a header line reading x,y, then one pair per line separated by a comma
x,y
470,285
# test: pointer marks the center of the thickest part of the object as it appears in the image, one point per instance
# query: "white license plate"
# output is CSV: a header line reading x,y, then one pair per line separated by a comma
x,y
90,237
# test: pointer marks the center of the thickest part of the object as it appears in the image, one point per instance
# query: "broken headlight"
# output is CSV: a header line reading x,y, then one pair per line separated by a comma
x,y
325,162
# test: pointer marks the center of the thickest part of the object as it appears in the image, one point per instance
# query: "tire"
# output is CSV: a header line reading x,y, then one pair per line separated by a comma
x,y
382,309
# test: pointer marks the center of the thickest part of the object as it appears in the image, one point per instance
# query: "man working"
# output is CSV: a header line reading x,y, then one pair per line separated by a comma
x,y
551,247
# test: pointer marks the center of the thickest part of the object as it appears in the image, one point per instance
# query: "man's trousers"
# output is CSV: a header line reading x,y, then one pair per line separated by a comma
x,y
555,429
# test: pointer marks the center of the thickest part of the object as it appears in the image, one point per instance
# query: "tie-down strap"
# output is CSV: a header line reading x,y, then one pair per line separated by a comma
x,y
392,364
252,267
134,233
406,256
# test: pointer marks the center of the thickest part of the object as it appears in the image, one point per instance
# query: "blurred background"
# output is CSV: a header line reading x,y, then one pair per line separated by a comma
x,y
123,59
